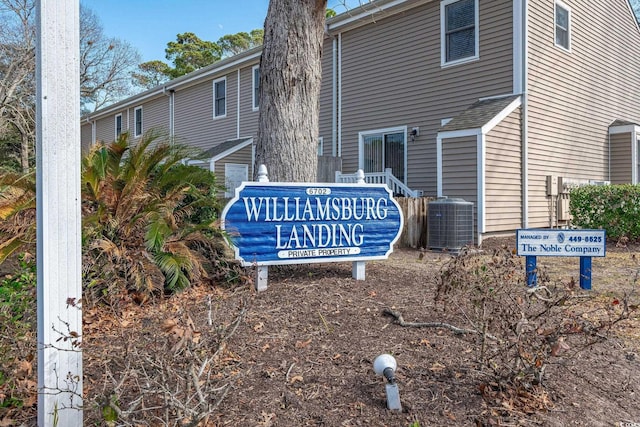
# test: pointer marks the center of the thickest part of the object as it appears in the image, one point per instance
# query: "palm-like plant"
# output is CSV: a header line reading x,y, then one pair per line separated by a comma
x,y
17,213
149,220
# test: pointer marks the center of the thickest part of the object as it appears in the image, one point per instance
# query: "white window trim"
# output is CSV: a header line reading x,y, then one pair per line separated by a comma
x,y
115,125
443,37
215,82
253,88
135,124
568,9
397,129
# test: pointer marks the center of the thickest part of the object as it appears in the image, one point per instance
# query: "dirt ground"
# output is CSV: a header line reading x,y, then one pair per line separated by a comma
x,y
301,352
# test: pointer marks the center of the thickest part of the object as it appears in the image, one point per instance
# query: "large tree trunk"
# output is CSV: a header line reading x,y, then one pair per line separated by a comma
x,y
290,74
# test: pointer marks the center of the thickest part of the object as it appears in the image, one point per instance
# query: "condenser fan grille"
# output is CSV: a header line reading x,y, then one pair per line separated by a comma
x,y
450,224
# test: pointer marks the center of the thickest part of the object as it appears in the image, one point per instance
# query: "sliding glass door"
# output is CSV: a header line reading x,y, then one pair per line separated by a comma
x,y
384,149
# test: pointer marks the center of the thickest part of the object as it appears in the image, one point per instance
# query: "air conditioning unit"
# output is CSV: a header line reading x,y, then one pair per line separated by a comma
x,y
450,224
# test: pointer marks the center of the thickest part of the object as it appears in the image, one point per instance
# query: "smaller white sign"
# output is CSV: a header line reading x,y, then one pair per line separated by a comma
x,y
577,243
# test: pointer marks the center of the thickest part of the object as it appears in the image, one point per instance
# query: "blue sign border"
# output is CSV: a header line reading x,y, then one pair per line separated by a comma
x,y
251,217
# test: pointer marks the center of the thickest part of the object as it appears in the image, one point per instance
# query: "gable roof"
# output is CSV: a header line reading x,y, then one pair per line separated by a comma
x,y
622,123
226,148
478,114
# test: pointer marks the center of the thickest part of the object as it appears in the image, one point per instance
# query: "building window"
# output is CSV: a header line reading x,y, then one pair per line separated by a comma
x,y
384,149
320,146
459,24
118,125
220,97
138,120
256,88
563,25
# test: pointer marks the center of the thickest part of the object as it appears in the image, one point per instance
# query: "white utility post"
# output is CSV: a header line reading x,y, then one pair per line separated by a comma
x,y
58,213
358,268
262,271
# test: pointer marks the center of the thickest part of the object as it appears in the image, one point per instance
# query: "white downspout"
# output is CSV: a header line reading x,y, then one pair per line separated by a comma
x,y
334,99
609,156
481,166
635,178
339,97
238,107
523,46
169,94
439,166
172,112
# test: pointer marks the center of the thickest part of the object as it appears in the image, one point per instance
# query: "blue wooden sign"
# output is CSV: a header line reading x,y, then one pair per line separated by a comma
x,y
274,223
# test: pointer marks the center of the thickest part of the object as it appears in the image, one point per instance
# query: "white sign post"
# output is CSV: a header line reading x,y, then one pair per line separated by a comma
x,y
58,213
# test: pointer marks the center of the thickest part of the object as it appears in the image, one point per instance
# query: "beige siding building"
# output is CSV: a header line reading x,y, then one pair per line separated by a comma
x,y
488,101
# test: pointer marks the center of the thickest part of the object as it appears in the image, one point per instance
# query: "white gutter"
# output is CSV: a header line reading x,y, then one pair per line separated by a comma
x,y
215,71
368,12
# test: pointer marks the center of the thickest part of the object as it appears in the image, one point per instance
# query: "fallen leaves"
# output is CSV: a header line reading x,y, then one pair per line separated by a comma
x,y
296,379
303,344
437,367
181,332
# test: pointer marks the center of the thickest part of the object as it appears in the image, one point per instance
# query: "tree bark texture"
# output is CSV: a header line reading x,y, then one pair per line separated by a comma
x,y
290,77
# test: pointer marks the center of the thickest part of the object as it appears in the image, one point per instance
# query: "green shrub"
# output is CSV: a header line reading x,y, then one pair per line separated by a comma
x,y
18,292
149,222
614,208
18,320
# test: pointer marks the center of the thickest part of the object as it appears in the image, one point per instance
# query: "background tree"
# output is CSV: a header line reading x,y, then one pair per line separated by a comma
x,y
290,73
189,53
233,44
151,74
105,66
17,78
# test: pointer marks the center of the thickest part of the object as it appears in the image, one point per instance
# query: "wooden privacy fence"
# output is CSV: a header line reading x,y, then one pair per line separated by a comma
x,y
414,233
